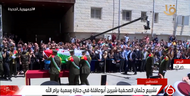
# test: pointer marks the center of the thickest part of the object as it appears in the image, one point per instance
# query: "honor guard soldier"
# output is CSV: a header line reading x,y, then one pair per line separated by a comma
x,y
84,68
74,69
149,63
164,62
25,60
54,66
13,63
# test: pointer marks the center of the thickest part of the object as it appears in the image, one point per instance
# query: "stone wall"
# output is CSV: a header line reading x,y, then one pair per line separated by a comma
x,y
84,23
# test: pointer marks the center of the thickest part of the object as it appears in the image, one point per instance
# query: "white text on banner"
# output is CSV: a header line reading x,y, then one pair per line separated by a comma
x,y
90,90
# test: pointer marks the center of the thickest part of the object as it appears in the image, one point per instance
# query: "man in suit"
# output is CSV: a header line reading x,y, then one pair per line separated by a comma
x,y
164,62
127,51
117,58
84,68
132,57
55,66
149,63
139,58
74,69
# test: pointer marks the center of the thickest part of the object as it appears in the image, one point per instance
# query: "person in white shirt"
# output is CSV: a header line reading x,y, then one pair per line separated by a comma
x,y
126,38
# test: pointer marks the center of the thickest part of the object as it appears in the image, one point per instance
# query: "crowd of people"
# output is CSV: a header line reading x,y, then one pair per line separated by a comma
x,y
125,55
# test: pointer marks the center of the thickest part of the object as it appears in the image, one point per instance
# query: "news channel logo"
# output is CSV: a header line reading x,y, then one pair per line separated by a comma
x,y
171,10
170,90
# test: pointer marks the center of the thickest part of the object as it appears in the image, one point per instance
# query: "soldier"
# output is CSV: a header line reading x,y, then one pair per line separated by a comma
x,y
54,66
84,68
74,69
13,63
149,63
164,62
1,64
25,60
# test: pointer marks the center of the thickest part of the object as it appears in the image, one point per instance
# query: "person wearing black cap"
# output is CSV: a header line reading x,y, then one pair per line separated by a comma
x,y
149,63
74,69
54,66
164,62
84,68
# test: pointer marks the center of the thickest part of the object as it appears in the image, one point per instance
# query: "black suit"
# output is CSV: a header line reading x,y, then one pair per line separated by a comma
x,y
138,62
117,56
132,62
97,64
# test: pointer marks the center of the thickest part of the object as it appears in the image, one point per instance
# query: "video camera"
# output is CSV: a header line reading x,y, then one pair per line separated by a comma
x,y
147,26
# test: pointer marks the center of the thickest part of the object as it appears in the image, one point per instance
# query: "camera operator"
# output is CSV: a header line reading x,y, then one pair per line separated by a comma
x,y
6,64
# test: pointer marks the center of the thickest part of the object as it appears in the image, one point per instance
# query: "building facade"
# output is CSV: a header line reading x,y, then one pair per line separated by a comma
x,y
95,16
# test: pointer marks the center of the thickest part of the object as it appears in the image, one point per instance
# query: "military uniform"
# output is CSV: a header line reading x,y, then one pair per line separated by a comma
x,y
13,63
163,65
55,66
85,69
74,69
149,64
25,61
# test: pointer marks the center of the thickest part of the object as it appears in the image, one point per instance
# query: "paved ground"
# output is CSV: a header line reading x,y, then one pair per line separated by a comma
x,y
112,79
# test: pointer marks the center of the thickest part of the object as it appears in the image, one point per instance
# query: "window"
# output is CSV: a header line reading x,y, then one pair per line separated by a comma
x,y
179,20
143,14
96,13
186,20
126,15
156,18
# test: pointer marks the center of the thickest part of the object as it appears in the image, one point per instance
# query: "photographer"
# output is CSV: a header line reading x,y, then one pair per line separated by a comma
x,y
6,64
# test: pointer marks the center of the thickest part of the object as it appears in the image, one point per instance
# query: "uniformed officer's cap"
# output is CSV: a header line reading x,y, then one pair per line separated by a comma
x,y
54,51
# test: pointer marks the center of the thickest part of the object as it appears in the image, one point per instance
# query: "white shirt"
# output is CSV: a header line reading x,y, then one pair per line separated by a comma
x,y
145,54
169,44
126,39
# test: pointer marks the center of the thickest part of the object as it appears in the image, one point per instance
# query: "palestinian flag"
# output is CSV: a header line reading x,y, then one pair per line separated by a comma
x,y
63,54
14,54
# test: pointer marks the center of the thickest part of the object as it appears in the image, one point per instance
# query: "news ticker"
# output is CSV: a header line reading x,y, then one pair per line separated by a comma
x,y
90,90
143,87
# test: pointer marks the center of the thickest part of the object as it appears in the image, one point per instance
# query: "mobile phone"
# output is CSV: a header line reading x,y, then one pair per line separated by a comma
x,y
49,39
188,75
155,77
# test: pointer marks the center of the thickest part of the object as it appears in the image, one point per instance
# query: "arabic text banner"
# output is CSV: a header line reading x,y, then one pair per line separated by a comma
x,y
182,64
90,90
